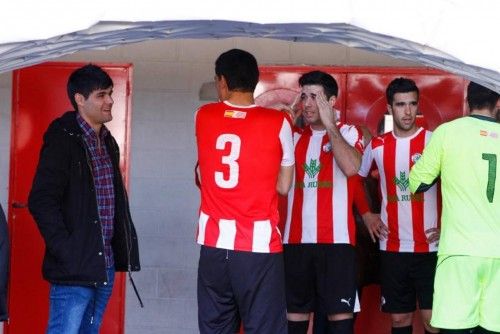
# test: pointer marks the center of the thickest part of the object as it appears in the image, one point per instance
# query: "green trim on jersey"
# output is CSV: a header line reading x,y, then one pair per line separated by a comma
x,y
465,153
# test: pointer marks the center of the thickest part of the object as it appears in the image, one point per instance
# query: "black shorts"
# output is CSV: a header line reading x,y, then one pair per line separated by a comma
x,y
405,279
320,275
236,286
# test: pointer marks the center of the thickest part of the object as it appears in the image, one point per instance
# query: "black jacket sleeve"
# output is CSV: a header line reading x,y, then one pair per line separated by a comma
x,y
47,192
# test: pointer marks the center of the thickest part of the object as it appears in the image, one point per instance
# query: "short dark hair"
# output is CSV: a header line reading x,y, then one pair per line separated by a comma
x,y
400,85
240,70
323,79
480,97
85,80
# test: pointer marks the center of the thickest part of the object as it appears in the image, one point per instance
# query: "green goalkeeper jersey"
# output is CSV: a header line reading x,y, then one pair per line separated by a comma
x,y
465,153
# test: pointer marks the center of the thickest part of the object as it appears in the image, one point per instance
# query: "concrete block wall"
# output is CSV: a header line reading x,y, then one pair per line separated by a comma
x,y
167,76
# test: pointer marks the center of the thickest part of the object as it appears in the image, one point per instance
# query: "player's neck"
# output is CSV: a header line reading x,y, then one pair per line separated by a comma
x,y
483,112
402,133
318,127
240,98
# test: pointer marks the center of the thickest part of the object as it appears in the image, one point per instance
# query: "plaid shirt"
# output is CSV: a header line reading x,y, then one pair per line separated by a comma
x,y
102,170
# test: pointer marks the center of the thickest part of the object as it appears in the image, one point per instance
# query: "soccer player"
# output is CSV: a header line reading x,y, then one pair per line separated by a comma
x,y
245,155
320,265
408,254
465,154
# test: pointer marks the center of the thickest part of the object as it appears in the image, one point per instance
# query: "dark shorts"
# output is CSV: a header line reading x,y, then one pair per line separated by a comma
x,y
241,287
320,275
405,279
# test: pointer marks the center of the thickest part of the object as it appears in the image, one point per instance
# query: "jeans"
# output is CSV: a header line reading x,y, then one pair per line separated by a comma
x,y
78,309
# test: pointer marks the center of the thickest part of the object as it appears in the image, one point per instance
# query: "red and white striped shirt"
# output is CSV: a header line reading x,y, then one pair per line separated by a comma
x,y
320,204
240,151
407,216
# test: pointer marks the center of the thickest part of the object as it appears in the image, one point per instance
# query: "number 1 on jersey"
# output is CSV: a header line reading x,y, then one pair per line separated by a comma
x,y
492,175
230,160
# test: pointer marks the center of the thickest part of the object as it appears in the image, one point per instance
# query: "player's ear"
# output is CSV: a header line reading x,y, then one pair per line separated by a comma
x,y
332,100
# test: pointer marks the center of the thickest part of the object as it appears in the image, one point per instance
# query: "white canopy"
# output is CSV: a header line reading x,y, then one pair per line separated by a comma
x,y
459,36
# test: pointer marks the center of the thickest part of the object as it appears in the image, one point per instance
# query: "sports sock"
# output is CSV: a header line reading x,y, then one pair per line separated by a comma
x,y
402,330
298,327
320,323
457,331
481,330
345,326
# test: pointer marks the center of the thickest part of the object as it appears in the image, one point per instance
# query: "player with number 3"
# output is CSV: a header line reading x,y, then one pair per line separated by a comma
x,y
245,155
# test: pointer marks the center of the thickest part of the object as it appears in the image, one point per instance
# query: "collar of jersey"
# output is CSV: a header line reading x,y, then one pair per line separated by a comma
x,y
409,137
237,106
484,118
319,132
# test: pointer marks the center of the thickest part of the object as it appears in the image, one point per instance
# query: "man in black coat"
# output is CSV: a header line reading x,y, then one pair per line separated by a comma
x,y
80,205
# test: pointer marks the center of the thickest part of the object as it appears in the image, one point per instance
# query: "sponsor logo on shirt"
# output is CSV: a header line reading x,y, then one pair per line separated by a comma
x,y
405,198
402,182
314,184
235,114
312,169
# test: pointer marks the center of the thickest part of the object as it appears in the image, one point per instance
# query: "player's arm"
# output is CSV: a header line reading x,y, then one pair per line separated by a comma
x,y
347,157
425,173
373,223
294,111
285,176
359,195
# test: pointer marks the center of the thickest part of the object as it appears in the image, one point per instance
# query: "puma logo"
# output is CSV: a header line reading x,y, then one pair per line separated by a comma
x,y
347,301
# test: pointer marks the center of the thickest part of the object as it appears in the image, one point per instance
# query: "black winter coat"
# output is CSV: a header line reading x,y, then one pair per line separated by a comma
x,y
64,205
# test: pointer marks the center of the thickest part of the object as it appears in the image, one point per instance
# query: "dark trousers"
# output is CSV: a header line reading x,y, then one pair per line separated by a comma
x,y
236,286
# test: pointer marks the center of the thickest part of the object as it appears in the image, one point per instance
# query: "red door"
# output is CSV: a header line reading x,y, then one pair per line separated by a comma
x,y
39,96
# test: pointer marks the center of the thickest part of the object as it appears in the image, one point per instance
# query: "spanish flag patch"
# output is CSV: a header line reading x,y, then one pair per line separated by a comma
x,y
235,114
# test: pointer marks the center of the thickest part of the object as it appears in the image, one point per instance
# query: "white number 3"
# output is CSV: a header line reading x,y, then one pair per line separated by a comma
x,y
230,160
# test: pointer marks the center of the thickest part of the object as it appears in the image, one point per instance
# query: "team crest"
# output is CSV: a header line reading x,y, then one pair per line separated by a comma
x,y
327,147
415,157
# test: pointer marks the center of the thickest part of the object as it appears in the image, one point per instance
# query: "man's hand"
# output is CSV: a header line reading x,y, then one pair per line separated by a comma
x,y
433,235
326,112
375,226
294,110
